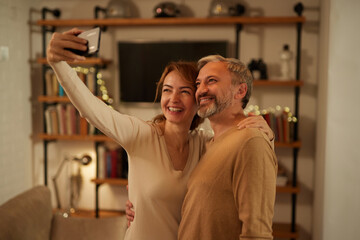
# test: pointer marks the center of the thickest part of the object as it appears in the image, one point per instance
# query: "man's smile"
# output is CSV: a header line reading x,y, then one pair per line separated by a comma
x,y
204,100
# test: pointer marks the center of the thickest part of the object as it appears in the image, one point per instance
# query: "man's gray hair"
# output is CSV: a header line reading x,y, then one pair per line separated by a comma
x,y
238,70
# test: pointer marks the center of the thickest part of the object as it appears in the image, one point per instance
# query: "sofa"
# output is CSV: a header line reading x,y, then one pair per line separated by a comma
x,y
30,216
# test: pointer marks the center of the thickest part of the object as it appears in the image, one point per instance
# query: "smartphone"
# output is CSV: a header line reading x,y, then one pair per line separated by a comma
x,y
93,38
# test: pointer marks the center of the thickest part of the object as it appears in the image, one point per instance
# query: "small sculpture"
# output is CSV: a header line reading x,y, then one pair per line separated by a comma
x,y
258,69
119,9
166,9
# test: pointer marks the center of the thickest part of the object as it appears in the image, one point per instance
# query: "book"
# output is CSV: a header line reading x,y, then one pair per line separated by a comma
x,y
279,128
61,91
124,164
285,124
55,85
266,116
82,76
114,163
48,122
70,119
77,122
61,118
48,83
91,129
101,166
107,164
54,121
90,82
273,124
83,126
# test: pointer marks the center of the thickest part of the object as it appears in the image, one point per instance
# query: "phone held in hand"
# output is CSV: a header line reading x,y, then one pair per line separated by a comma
x,y
93,38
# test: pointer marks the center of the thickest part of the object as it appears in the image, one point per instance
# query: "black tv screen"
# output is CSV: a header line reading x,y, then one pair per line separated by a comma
x,y
142,63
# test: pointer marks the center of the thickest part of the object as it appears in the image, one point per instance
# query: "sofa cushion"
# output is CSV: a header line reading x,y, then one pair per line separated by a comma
x,y
112,228
27,216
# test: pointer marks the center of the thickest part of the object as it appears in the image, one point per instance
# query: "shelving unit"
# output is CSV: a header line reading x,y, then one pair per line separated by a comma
x,y
88,61
281,230
131,22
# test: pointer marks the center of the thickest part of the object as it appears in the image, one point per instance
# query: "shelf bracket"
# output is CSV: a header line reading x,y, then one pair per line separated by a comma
x,y
97,144
298,8
45,161
98,9
55,12
239,27
240,10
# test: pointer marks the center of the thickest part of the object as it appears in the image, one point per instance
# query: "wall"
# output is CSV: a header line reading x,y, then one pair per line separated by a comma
x,y
256,42
15,106
337,196
321,131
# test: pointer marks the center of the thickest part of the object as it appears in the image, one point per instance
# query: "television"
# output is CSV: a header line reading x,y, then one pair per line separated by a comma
x,y
141,63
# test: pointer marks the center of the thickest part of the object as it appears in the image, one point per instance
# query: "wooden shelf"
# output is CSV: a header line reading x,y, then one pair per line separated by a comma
x,y
283,230
278,83
123,182
96,138
170,21
44,136
288,188
55,99
280,230
88,61
296,144
89,213
111,181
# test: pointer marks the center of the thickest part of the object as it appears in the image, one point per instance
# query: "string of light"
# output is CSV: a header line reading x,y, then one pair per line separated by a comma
x,y
99,82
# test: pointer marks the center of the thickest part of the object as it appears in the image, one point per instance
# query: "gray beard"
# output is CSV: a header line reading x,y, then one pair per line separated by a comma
x,y
216,107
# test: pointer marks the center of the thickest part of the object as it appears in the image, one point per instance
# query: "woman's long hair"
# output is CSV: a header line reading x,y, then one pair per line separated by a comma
x,y
188,71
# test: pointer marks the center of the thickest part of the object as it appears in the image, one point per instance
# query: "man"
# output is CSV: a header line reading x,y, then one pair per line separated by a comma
x,y
231,193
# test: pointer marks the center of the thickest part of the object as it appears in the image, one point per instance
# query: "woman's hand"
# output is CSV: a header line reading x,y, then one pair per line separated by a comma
x,y
56,50
255,121
130,214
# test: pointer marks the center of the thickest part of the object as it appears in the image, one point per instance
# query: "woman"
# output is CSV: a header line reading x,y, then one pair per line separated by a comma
x,y
161,153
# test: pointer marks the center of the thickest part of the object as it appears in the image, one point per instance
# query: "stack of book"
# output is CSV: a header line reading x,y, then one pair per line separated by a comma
x,y
53,88
280,119
64,119
113,163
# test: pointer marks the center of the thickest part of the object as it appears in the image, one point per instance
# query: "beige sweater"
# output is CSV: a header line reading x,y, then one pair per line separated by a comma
x,y
231,193
155,188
